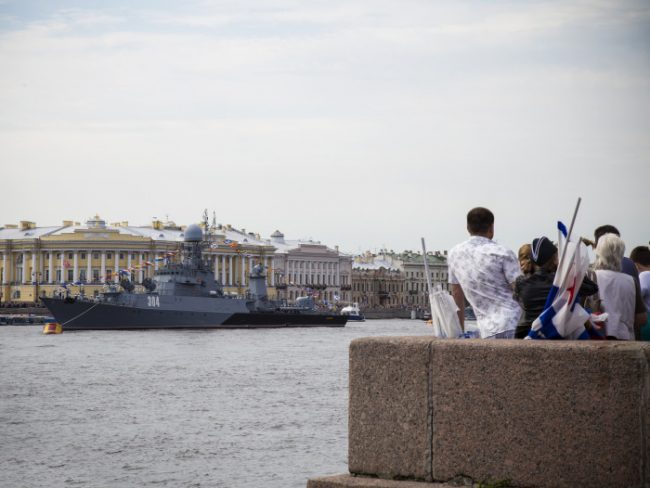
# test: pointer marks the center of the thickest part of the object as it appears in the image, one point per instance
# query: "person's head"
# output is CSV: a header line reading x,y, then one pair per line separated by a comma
x,y
526,259
605,229
480,222
544,253
609,252
641,257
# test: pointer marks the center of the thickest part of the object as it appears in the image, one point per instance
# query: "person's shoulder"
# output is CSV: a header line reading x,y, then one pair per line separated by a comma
x,y
458,247
498,249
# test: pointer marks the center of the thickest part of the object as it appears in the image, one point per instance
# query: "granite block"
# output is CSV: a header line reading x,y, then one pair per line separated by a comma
x,y
348,481
537,413
389,416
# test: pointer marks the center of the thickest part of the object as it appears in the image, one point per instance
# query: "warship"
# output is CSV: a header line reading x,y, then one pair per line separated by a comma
x,y
186,295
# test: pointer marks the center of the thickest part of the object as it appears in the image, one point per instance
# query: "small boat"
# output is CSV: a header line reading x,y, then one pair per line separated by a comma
x,y
353,313
52,328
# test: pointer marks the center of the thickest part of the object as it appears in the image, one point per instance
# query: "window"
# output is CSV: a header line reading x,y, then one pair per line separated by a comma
x,y
58,276
47,275
70,275
121,255
47,255
16,294
70,255
83,255
95,255
95,275
82,275
58,255
109,256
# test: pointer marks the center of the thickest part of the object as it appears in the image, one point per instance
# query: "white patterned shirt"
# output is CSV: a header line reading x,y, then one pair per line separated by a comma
x,y
485,271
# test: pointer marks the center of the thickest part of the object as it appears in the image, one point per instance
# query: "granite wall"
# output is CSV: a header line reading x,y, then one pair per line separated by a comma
x,y
537,413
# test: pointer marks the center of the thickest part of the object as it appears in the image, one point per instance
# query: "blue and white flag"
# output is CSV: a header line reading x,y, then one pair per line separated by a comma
x,y
563,317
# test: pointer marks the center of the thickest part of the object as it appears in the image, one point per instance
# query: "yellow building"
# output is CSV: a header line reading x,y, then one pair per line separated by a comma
x,y
38,261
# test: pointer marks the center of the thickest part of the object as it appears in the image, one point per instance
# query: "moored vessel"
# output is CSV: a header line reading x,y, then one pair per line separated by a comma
x,y
186,295
353,313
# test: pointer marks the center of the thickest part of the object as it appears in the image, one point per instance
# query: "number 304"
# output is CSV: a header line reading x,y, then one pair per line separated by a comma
x,y
153,301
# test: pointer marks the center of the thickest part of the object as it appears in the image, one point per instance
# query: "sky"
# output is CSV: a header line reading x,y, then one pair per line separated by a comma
x,y
364,124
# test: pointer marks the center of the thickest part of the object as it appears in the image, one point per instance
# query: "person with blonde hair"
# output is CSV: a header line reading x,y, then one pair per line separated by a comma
x,y
525,258
616,290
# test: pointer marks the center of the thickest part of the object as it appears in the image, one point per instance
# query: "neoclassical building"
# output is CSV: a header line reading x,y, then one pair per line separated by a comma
x,y
303,267
392,280
40,261
377,282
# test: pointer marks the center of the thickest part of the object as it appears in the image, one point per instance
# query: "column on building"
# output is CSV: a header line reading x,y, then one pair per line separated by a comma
x,y
216,267
223,269
89,266
24,277
4,268
116,278
242,260
271,267
156,258
34,274
140,271
50,267
230,270
62,266
75,267
103,269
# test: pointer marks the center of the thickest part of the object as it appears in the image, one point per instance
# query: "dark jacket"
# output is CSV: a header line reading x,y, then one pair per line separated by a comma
x,y
531,292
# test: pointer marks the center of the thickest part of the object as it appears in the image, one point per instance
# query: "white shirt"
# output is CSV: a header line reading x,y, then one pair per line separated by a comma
x,y
485,271
644,281
618,295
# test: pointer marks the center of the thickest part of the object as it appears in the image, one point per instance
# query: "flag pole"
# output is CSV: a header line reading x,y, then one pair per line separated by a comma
x,y
568,236
426,270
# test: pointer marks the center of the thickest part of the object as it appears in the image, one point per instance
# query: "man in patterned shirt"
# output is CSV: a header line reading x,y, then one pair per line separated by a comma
x,y
484,272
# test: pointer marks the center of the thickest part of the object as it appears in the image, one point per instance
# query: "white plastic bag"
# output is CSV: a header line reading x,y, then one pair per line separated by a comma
x,y
444,314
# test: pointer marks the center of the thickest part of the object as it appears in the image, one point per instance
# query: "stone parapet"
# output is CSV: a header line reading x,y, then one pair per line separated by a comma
x,y
537,413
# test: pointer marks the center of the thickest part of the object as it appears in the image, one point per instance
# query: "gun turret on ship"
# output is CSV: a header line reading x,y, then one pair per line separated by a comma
x,y
186,295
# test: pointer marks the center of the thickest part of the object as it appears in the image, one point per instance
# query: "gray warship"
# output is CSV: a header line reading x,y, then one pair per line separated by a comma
x,y
185,295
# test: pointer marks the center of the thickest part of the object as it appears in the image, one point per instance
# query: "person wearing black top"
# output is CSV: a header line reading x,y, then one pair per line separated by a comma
x,y
532,290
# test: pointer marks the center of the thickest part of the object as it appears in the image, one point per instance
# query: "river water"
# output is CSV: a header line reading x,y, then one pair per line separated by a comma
x,y
172,408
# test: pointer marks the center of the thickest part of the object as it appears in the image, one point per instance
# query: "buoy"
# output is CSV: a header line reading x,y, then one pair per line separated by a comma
x,y
52,328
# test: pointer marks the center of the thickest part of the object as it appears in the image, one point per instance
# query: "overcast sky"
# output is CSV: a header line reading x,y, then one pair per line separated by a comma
x,y
358,123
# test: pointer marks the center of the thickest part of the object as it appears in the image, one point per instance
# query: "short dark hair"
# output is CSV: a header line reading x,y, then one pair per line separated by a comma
x,y
641,255
605,229
479,220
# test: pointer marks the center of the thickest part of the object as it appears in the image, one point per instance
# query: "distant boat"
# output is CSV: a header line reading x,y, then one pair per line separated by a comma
x,y
353,313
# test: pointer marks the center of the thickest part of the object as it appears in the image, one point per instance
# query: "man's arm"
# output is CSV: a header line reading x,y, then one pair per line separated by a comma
x,y
459,298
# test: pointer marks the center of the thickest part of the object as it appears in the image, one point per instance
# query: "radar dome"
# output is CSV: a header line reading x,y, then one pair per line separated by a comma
x,y
193,233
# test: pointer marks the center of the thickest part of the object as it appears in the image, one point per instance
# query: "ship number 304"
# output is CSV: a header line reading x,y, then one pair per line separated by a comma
x,y
153,301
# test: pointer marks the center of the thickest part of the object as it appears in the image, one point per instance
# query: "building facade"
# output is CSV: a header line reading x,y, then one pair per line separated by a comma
x,y
309,267
397,280
377,282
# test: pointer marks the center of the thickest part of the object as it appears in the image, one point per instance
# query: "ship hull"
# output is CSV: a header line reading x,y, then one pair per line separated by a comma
x,y
87,315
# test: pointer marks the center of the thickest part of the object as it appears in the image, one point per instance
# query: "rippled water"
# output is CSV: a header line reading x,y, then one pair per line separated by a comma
x,y
202,408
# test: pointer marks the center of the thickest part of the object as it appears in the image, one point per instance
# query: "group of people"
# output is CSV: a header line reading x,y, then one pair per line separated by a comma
x,y
508,293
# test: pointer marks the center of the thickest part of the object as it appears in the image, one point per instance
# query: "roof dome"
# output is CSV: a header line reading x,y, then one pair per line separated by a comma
x,y
193,233
278,237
